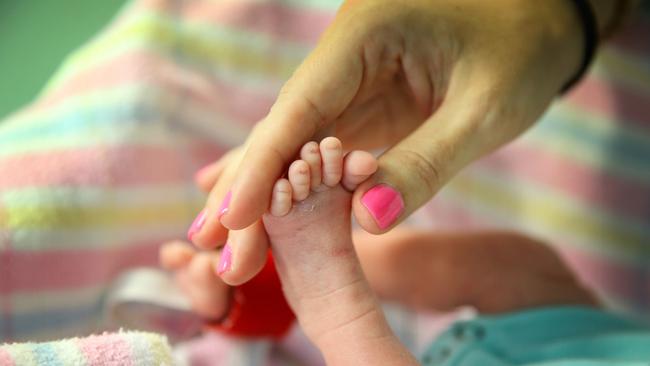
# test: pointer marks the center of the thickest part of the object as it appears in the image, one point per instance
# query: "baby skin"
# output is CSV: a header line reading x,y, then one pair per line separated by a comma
x,y
320,272
308,226
309,231
205,276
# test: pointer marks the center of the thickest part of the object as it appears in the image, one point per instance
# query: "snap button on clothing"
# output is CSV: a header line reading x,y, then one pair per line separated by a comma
x,y
444,353
479,332
459,333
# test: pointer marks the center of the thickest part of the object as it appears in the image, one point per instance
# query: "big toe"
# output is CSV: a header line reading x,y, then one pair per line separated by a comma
x,y
357,167
175,255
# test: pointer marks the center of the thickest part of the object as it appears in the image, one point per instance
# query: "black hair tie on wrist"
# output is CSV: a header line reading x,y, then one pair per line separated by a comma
x,y
590,30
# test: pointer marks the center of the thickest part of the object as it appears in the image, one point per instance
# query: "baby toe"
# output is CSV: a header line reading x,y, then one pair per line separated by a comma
x,y
299,177
208,294
281,200
357,167
331,152
311,154
175,255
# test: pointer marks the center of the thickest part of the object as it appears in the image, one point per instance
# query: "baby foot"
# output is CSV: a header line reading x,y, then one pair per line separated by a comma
x,y
309,228
320,167
206,277
194,272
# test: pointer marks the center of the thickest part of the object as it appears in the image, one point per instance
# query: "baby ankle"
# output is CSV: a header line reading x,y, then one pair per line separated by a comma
x,y
340,311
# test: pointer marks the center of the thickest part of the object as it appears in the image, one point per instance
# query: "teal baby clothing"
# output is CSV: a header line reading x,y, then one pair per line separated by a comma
x,y
554,336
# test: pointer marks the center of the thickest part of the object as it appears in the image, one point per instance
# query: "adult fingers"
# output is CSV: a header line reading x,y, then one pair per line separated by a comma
x,y
208,176
244,256
315,95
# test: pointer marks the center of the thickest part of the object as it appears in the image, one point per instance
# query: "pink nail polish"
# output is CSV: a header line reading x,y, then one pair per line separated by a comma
x,y
384,203
225,260
225,204
196,225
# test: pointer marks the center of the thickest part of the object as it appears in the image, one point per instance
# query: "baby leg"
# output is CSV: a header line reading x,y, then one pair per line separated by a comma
x,y
319,269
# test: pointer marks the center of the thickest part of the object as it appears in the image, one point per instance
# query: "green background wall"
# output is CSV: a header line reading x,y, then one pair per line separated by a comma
x,y
35,36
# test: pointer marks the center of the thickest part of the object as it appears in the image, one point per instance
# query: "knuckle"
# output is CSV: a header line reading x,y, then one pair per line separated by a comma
x,y
424,168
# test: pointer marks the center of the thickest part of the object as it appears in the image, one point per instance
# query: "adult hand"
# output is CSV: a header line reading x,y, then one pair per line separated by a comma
x,y
440,83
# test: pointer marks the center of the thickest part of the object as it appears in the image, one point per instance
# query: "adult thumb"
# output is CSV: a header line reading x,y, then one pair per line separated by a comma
x,y
413,171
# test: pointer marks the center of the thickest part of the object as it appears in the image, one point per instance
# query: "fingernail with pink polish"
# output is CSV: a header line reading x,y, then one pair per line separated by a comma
x,y
225,204
225,260
384,203
196,225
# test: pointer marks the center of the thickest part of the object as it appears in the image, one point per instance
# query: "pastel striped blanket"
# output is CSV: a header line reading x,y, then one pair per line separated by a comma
x,y
97,172
107,349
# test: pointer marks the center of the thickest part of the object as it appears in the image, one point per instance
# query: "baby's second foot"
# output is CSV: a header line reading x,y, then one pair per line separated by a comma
x,y
319,269
195,274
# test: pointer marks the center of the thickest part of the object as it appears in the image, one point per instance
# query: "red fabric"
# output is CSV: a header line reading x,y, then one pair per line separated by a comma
x,y
258,307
